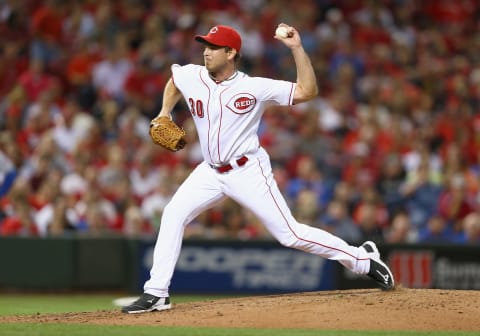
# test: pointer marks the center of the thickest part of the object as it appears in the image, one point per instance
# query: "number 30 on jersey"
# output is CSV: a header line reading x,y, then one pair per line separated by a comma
x,y
196,107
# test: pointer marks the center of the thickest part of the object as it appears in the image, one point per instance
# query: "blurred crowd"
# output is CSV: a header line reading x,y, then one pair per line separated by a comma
x,y
389,151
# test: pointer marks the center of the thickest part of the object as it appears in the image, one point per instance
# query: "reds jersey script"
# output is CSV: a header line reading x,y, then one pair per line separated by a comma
x,y
227,116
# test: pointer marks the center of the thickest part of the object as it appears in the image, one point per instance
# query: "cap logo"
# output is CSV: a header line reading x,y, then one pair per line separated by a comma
x,y
213,30
242,103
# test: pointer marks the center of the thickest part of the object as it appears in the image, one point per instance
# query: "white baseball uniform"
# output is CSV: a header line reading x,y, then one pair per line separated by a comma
x,y
227,117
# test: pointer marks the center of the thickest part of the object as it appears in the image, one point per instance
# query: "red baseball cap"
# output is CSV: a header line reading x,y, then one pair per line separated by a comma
x,y
222,36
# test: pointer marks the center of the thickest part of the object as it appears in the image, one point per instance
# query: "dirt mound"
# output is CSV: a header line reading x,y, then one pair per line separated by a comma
x,y
364,309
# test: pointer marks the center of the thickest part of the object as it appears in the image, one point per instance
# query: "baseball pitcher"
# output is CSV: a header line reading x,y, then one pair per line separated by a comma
x,y
226,106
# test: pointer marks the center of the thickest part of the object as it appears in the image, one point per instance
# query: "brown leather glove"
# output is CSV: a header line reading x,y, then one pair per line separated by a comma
x,y
166,133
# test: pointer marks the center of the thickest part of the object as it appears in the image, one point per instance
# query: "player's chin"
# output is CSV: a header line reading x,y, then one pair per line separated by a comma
x,y
208,65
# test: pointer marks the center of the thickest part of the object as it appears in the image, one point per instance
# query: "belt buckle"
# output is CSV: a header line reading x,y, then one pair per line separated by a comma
x,y
221,168
224,169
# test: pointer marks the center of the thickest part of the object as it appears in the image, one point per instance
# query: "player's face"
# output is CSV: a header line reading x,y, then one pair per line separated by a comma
x,y
215,57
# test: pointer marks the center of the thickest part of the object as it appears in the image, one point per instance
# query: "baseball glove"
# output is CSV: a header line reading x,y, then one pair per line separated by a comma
x,y
166,133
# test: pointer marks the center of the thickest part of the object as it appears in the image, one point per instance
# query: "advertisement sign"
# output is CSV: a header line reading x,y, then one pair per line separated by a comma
x,y
440,267
247,268
425,266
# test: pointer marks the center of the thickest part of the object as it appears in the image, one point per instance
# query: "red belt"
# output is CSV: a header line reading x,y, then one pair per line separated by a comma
x,y
226,168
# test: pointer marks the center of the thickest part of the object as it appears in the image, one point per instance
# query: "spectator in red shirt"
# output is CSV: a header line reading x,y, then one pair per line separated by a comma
x,y
454,122
368,224
143,86
454,204
79,73
47,31
11,66
362,168
447,12
79,66
36,80
373,23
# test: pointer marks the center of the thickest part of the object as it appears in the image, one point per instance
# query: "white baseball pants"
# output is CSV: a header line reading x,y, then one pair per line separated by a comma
x,y
254,187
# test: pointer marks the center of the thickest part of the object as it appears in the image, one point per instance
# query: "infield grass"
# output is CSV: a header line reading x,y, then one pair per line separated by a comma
x,y
33,304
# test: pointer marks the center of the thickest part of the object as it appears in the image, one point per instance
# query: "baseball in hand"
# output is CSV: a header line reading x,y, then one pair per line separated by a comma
x,y
281,32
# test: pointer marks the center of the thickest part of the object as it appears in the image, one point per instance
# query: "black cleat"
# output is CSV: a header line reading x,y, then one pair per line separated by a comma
x,y
371,248
147,303
379,271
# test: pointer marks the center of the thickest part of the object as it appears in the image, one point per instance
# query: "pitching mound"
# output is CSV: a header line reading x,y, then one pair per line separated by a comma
x,y
372,309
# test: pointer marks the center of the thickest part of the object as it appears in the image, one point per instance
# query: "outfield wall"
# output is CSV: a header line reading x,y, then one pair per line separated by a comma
x,y
219,266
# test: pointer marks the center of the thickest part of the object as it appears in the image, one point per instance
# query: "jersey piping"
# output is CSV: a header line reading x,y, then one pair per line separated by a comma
x,y
220,123
208,111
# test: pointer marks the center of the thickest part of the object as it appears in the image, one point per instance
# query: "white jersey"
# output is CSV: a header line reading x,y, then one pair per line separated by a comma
x,y
227,115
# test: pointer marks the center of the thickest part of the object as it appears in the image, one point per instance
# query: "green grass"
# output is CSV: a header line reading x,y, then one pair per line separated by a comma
x,y
31,329
32,304
26,304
